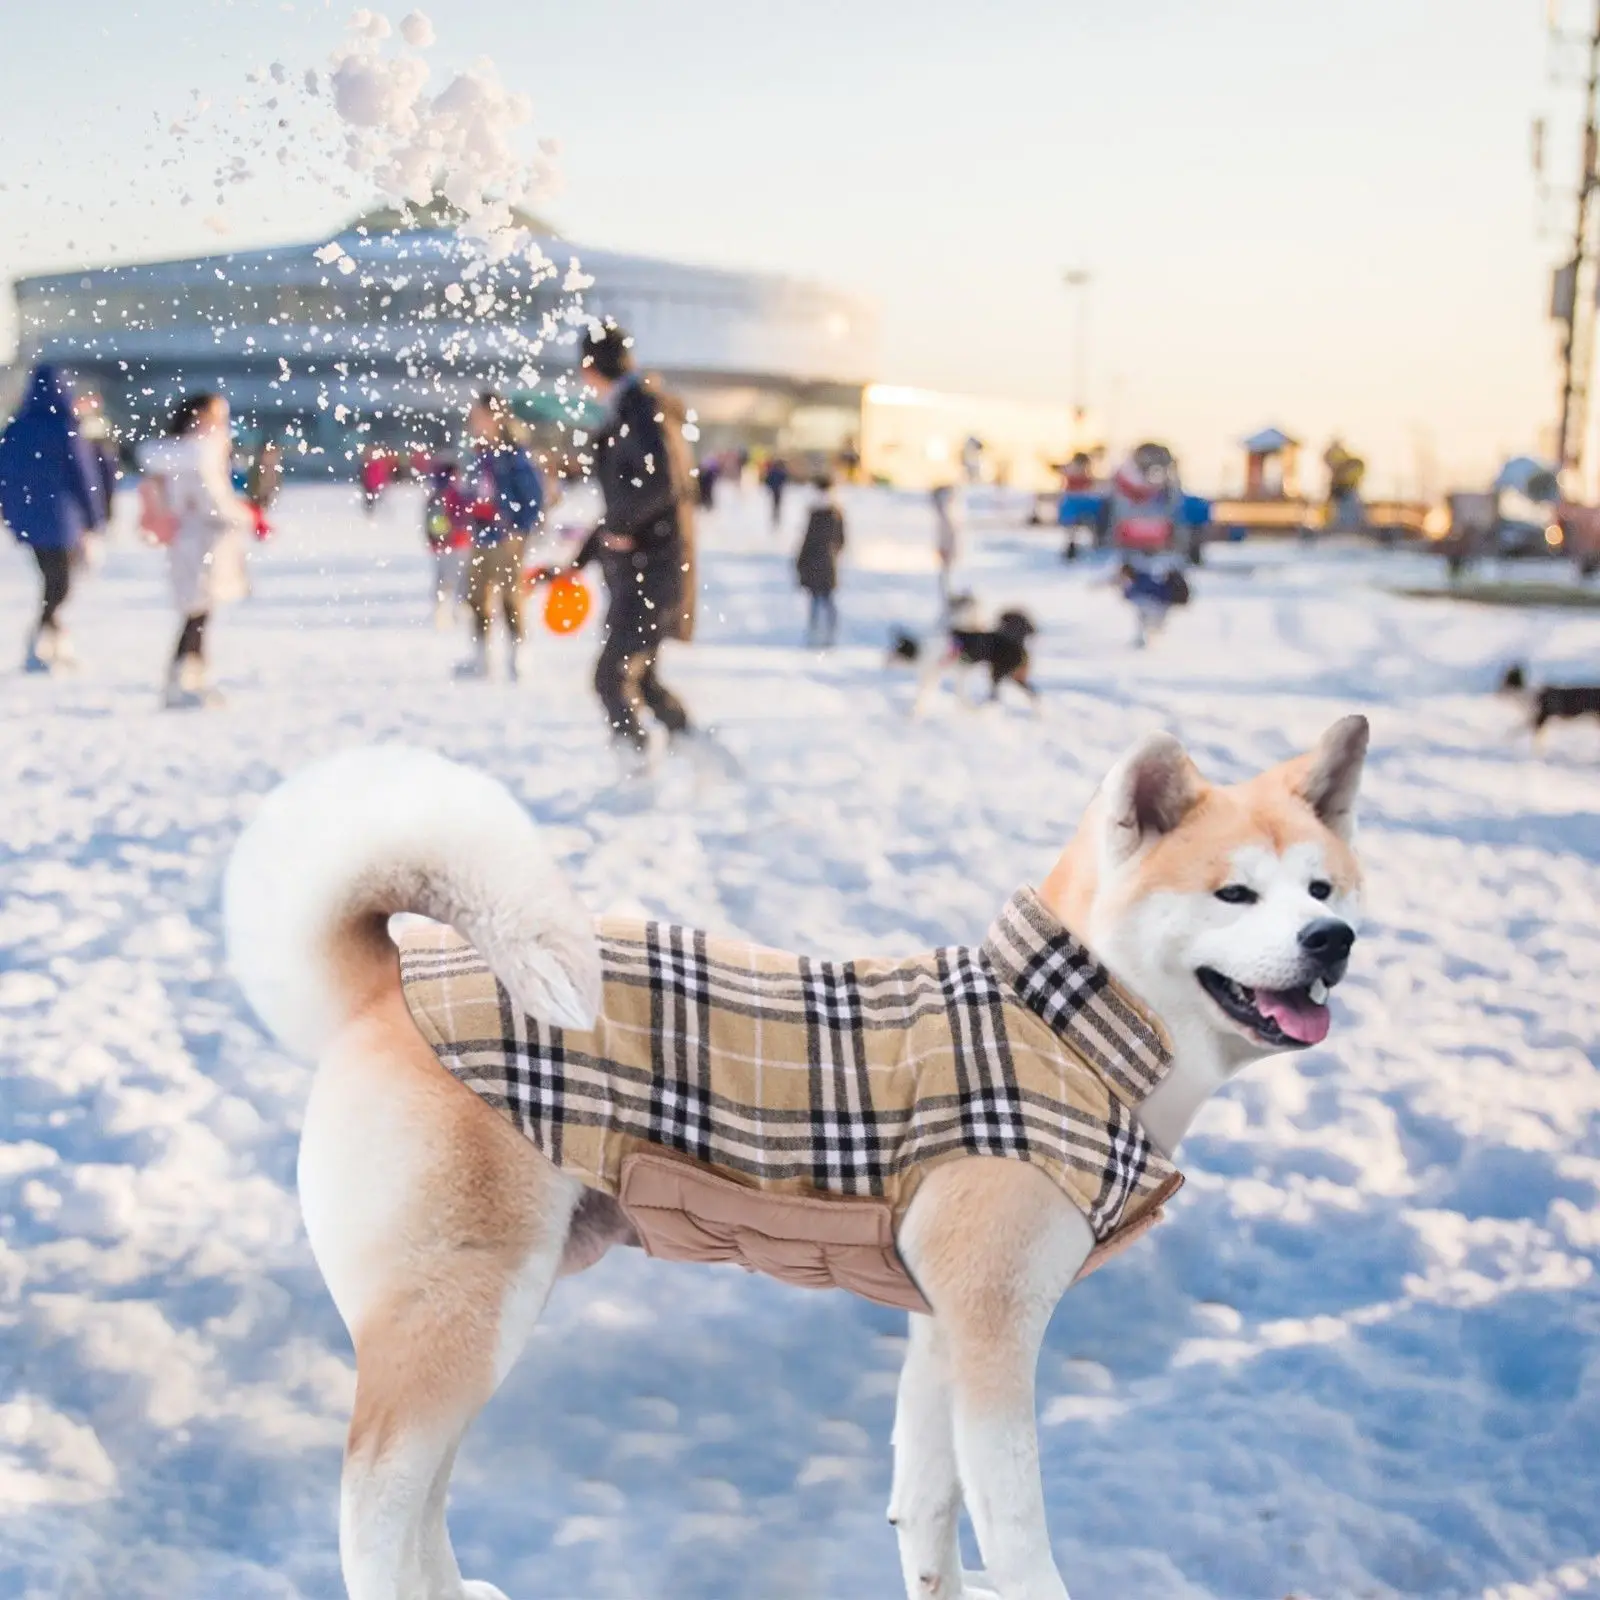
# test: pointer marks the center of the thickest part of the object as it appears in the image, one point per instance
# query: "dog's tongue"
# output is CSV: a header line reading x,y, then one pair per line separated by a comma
x,y
1295,1012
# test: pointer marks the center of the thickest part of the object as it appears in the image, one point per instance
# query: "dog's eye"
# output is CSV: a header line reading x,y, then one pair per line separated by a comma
x,y
1319,889
1237,894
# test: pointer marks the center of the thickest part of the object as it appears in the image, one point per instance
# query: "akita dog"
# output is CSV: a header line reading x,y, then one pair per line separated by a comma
x,y
500,1100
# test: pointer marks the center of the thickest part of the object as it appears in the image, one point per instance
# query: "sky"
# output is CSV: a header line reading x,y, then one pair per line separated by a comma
x,y
1320,217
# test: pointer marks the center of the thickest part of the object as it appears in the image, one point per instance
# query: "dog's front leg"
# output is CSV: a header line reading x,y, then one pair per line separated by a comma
x,y
997,1451
925,1503
994,1244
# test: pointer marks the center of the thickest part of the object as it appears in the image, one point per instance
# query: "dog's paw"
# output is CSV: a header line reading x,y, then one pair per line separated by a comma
x,y
477,1589
974,1586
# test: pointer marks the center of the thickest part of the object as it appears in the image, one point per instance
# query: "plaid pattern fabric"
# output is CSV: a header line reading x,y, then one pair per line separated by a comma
x,y
808,1077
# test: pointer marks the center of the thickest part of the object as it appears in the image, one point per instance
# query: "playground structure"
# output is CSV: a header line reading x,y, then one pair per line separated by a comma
x,y
1274,503
1271,501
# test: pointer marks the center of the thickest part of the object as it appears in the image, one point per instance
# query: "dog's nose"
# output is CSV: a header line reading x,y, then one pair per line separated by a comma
x,y
1327,941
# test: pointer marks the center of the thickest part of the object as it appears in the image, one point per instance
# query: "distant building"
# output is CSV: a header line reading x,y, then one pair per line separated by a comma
x,y
921,438
385,338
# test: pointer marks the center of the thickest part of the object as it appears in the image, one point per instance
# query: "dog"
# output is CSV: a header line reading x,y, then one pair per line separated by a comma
x,y
1552,702
1202,925
960,610
1001,650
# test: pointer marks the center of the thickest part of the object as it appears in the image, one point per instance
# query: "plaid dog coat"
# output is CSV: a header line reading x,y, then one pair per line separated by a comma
x,y
743,1104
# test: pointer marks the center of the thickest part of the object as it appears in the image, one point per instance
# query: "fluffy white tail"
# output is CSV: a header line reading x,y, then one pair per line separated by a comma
x,y
348,842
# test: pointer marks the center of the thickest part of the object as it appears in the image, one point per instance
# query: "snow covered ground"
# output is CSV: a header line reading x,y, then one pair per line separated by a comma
x,y
1362,1359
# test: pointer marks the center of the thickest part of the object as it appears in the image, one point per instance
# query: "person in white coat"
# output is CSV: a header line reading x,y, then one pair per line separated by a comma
x,y
208,524
947,540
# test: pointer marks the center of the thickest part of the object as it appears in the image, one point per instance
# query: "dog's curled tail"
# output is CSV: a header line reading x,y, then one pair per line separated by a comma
x,y
351,840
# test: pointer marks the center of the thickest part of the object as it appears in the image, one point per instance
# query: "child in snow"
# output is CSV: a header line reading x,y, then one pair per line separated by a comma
x,y
447,526
817,564
1152,596
505,499
208,528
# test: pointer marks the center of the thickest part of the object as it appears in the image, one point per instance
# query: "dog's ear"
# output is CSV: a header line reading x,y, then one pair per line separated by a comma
x,y
1147,794
1331,774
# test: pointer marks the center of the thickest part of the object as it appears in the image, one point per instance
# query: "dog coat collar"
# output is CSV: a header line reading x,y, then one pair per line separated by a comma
x,y
754,1106
1063,983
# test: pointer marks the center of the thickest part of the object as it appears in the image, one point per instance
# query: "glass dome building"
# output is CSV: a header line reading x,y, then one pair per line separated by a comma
x,y
381,336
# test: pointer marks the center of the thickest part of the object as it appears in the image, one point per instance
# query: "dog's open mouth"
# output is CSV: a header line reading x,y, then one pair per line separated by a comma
x,y
1291,1018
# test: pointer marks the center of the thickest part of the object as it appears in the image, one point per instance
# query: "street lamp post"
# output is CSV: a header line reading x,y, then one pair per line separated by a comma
x,y
1077,280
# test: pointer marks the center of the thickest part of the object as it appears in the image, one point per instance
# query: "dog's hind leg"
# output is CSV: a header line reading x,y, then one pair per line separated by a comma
x,y
424,1371
930,677
994,1244
1026,685
439,1230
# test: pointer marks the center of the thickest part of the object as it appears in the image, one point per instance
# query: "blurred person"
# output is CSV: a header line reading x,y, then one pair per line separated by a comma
x,y
52,493
1152,596
644,541
209,526
447,526
946,536
376,469
94,427
506,498
710,469
94,430
1077,475
817,564
1346,471
265,477
776,479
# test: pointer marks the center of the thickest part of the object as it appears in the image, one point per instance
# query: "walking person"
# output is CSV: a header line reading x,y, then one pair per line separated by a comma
x,y
209,525
376,470
51,495
94,428
447,527
776,478
946,537
506,504
265,476
644,541
817,565
1152,595
710,470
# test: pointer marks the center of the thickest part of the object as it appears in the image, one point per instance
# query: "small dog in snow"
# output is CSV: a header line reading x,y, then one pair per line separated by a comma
x,y
1000,650
1551,702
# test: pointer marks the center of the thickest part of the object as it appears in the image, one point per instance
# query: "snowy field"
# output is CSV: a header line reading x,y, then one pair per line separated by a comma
x,y
1362,1359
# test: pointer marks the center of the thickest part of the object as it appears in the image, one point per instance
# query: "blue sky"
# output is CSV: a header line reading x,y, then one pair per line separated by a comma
x,y
1319,216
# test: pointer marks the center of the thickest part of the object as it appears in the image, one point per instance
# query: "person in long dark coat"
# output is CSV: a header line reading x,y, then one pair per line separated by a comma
x,y
51,494
817,564
644,542
776,478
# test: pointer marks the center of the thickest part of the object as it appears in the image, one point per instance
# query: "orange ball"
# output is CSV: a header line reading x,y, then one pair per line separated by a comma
x,y
566,607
